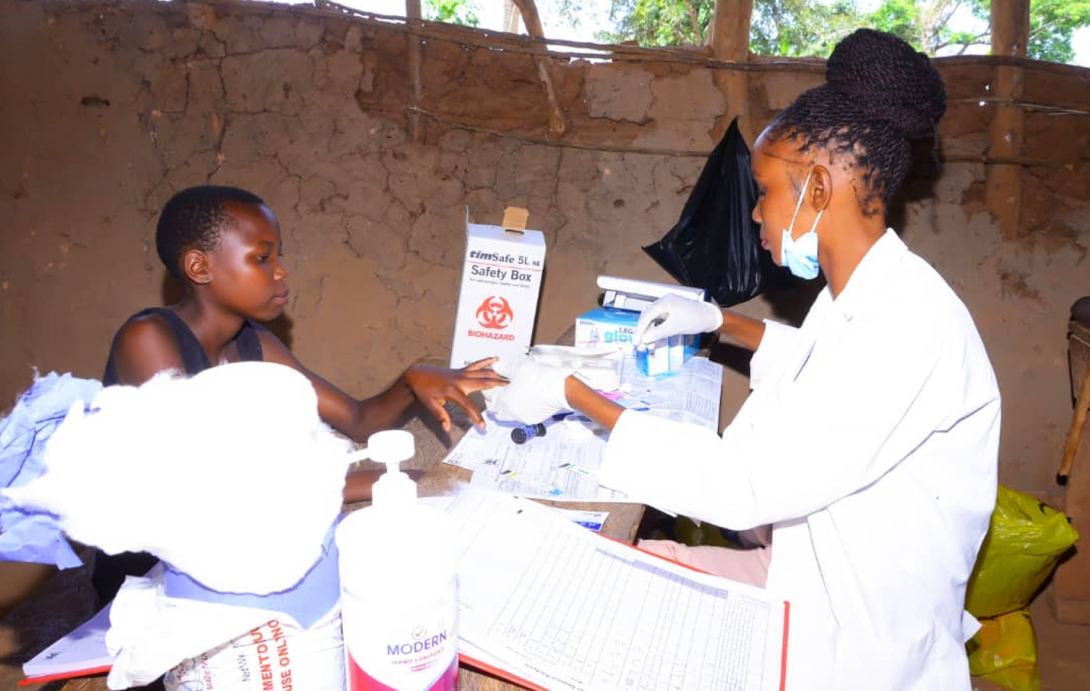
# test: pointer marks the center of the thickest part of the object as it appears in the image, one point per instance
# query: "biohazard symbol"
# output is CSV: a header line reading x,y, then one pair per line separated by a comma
x,y
495,313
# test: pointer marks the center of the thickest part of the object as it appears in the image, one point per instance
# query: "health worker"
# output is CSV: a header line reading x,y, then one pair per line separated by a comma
x,y
869,440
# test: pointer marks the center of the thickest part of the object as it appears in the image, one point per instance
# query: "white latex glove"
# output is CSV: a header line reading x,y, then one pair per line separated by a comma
x,y
672,315
535,394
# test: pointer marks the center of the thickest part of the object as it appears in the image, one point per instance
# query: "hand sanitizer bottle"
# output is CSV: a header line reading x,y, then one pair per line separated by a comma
x,y
399,601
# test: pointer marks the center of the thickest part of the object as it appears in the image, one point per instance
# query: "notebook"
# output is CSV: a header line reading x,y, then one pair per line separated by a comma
x,y
79,653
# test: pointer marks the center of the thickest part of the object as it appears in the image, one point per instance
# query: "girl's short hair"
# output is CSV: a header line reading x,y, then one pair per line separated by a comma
x,y
194,218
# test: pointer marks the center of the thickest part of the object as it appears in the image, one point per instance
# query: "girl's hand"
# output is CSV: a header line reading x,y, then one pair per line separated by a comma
x,y
435,386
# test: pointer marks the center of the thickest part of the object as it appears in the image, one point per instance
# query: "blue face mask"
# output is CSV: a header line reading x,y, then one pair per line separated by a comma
x,y
801,256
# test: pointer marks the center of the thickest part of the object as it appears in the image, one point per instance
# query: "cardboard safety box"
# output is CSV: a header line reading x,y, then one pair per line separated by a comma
x,y
606,326
501,283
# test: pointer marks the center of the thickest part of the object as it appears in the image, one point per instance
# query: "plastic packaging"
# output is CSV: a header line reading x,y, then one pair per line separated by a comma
x,y
599,367
1004,652
715,244
163,623
276,656
398,584
1025,540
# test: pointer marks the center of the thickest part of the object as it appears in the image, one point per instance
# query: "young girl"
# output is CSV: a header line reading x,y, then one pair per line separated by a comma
x,y
223,245
870,439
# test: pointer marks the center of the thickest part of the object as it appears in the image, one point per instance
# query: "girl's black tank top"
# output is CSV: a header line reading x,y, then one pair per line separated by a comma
x,y
193,355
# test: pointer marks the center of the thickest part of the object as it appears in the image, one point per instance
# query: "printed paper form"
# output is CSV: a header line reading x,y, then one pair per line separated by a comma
x,y
690,396
563,464
567,609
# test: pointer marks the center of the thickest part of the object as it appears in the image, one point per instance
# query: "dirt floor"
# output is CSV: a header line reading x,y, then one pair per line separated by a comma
x,y
1063,652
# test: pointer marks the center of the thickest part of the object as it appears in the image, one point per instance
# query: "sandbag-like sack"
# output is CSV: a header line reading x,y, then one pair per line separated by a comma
x,y
1004,652
1025,540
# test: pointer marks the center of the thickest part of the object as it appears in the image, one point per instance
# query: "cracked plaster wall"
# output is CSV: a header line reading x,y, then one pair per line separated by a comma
x,y
128,102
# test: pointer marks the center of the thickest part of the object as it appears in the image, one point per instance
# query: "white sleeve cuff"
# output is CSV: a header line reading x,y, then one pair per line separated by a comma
x,y
672,466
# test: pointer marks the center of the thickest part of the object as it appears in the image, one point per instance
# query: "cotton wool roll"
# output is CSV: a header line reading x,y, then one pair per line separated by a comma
x,y
230,476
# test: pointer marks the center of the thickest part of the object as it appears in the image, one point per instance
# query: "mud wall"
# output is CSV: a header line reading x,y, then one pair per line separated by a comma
x,y
128,102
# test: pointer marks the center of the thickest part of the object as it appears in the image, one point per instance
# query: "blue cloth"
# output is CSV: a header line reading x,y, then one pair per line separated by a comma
x,y
31,535
37,537
306,602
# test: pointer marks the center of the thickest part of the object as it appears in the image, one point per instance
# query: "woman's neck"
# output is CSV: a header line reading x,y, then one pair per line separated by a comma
x,y
840,257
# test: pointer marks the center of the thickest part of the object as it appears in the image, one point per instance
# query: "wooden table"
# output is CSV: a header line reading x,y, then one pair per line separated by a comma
x,y
68,599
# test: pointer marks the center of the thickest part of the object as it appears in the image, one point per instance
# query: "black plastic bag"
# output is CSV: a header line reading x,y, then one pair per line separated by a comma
x,y
715,244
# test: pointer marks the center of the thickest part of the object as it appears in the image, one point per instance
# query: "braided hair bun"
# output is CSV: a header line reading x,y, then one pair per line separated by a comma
x,y
891,82
881,100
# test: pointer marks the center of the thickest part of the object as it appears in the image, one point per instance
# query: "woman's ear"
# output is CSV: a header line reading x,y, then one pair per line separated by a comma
x,y
195,266
821,187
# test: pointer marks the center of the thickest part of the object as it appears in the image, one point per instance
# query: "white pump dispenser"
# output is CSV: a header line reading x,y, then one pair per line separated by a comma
x,y
398,584
394,490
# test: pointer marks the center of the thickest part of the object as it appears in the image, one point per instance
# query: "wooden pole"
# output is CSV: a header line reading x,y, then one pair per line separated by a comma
x,y
416,58
729,40
1010,34
530,17
1074,434
1071,583
729,36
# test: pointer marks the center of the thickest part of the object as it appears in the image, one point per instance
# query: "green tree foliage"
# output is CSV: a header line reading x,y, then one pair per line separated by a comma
x,y
462,12
796,28
1051,24
659,22
926,25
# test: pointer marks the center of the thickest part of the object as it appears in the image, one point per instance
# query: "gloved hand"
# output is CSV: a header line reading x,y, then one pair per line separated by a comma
x,y
535,393
676,315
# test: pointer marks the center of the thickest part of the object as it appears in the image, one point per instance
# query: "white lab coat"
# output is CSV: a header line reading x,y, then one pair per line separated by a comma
x,y
870,443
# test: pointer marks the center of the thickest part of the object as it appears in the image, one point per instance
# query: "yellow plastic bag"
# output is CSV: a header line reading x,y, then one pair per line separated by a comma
x,y
1025,540
687,532
1004,652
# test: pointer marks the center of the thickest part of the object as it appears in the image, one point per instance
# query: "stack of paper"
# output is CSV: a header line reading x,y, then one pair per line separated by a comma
x,y
552,603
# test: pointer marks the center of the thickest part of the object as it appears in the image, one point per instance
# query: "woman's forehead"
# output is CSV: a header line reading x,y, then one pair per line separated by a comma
x,y
770,160
782,151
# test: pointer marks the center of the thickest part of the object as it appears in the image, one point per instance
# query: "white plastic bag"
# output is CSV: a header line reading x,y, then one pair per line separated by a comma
x,y
152,634
276,656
